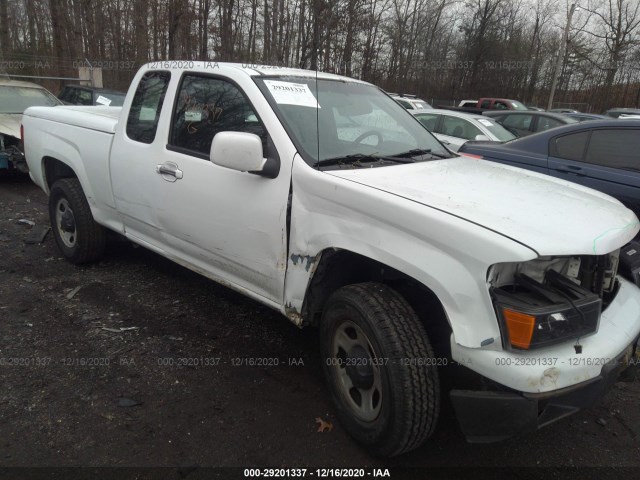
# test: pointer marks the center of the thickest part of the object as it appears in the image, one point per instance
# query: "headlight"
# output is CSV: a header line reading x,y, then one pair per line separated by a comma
x,y
535,314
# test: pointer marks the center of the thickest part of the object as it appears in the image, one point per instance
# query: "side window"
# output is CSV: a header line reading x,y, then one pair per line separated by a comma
x,y
615,148
485,104
519,122
84,97
545,123
72,96
501,106
207,106
146,105
405,104
429,121
65,94
569,147
470,130
459,127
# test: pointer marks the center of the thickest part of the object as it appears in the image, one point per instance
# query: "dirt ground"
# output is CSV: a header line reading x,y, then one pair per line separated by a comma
x,y
96,372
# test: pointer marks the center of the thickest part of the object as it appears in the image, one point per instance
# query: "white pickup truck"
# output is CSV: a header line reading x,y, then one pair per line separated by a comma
x,y
321,197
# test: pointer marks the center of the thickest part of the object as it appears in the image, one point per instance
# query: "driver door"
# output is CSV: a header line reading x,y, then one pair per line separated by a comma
x,y
227,223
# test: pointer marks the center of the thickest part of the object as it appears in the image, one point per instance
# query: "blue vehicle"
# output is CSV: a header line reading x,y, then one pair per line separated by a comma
x,y
601,154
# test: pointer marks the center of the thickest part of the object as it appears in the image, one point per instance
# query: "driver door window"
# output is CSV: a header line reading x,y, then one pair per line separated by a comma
x,y
207,106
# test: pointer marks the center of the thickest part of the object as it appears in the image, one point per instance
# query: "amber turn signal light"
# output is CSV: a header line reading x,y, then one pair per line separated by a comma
x,y
520,327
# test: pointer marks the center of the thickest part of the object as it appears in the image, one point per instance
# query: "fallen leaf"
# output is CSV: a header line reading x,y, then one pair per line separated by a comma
x,y
323,426
128,402
73,292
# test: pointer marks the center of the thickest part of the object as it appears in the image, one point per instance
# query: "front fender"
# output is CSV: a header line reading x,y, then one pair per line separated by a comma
x,y
448,255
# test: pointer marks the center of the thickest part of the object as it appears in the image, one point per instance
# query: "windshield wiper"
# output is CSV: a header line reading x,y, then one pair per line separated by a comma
x,y
359,157
416,152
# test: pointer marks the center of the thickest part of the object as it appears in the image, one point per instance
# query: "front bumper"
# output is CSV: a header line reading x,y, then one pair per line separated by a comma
x,y
491,416
538,387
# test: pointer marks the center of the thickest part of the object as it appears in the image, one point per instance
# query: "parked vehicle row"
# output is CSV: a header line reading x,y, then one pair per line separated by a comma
x,y
523,123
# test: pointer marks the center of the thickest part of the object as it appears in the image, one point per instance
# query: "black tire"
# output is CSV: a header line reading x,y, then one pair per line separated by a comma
x,y
407,407
68,204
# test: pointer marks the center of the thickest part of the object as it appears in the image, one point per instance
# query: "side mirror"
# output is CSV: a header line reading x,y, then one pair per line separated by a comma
x,y
481,137
238,151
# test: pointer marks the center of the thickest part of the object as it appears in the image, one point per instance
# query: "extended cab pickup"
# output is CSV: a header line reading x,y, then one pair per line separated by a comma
x,y
321,197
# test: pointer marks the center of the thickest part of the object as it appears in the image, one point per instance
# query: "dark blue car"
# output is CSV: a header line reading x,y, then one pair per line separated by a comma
x,y
601,154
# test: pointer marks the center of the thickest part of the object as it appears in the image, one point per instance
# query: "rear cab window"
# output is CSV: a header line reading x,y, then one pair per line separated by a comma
x,y
144,113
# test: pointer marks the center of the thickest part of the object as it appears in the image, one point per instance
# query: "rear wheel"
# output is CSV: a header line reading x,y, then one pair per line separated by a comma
x,y
79,237
380,368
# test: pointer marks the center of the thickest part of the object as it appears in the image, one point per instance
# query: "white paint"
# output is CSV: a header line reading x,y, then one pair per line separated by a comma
x,y
551,216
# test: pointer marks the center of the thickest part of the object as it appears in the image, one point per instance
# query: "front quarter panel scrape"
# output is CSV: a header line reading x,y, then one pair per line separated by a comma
x,y
448,255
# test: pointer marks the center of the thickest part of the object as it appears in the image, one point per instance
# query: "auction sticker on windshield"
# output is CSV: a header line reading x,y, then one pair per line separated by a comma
x,y
291,93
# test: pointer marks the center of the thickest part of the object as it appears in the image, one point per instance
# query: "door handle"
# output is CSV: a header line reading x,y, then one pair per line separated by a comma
x,y
169,169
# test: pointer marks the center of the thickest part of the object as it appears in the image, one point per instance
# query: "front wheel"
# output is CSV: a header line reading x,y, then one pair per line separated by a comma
x,y
79,237
380,368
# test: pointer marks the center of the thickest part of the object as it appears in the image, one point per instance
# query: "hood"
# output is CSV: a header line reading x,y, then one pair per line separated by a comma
x,y
10,124
550,216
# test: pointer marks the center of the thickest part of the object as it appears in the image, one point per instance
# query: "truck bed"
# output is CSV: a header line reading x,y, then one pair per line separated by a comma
x,y
102,119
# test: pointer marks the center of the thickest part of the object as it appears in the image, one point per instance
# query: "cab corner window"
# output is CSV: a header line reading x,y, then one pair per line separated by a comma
x,y
144,113
207,106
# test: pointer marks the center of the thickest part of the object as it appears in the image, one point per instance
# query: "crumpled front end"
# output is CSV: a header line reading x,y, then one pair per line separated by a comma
x,y
569,325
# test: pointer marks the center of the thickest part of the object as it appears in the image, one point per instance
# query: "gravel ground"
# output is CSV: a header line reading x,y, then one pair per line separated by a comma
x,y
104,375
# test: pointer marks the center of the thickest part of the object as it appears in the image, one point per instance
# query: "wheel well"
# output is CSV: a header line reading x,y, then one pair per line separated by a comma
x,y
338,268
54,170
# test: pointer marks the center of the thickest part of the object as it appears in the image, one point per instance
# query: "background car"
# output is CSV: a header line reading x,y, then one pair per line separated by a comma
x,y
601,154
536,109
15,98
410,102
564,110
616,112
525,123
453,129
81,95
583,117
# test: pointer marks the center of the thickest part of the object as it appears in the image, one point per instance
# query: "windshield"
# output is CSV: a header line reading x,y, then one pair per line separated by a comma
x,y
497,130
350,119
18,99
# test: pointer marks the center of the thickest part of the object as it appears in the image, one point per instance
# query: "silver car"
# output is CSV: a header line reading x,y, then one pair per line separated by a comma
x,y
15,98
453,129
